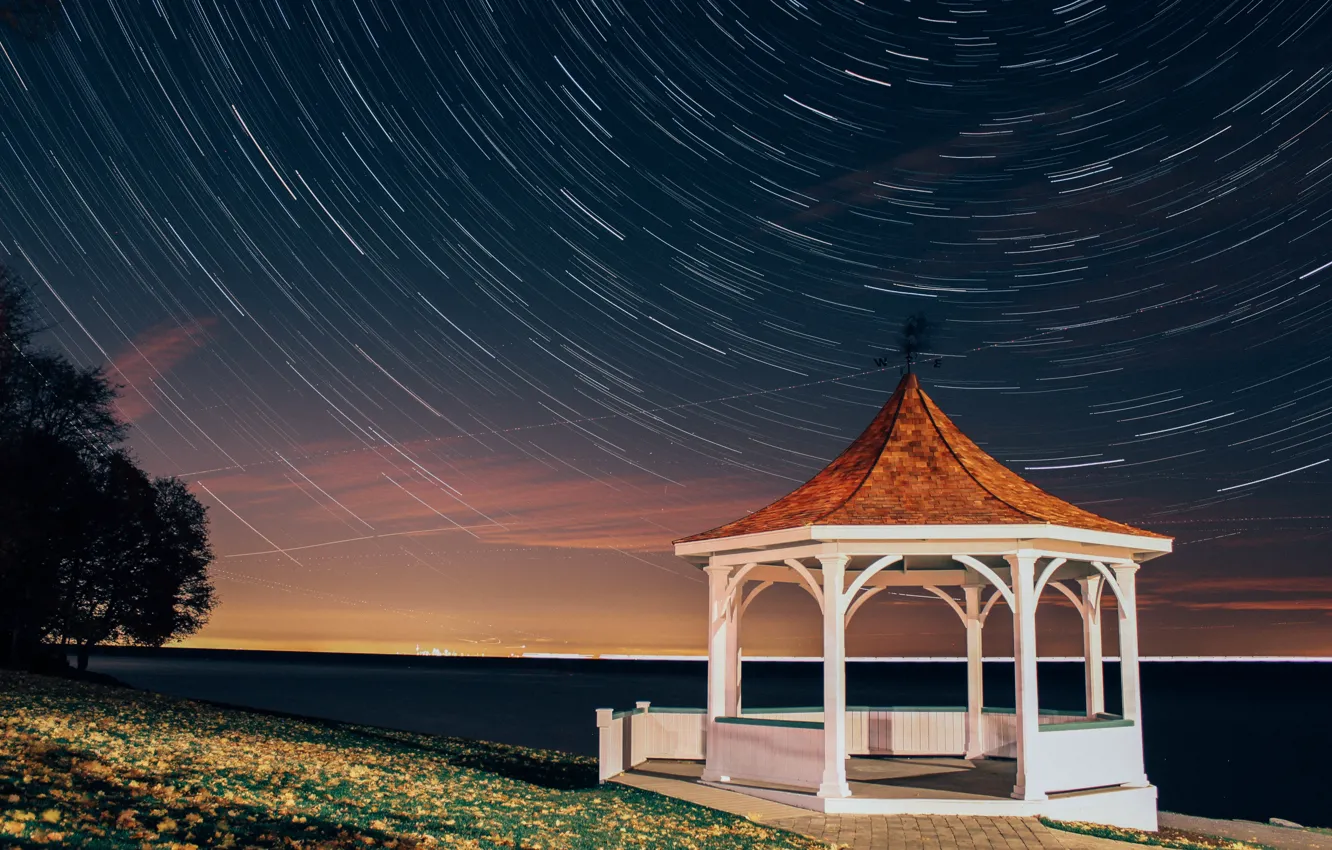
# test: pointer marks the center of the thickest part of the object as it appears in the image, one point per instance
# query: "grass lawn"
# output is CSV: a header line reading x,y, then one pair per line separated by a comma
x,y
90,766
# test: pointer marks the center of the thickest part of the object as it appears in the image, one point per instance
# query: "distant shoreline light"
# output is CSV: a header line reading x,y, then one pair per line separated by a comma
x,y
928,659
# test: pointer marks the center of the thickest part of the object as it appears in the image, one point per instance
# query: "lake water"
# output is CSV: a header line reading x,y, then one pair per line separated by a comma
x,y
1223,739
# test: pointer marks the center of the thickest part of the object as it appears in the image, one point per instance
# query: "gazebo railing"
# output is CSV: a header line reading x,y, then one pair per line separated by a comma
x,y
628,738
1106,750
779,751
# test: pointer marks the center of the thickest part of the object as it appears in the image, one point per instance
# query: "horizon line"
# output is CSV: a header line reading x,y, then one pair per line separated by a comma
x,y
926,659
615,656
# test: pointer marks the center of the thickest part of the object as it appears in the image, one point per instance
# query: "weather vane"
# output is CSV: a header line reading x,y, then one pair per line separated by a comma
x,y
913,338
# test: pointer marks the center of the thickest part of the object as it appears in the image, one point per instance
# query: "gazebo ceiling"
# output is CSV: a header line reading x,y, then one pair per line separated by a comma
x,y
913,467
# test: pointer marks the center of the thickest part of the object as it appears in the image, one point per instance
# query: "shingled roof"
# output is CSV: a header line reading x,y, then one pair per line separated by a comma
x,y
912,466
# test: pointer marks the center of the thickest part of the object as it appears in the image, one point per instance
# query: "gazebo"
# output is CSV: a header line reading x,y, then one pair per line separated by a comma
x,y
914,503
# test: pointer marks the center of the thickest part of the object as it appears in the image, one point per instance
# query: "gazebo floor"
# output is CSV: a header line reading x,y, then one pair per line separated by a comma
x,y
933,786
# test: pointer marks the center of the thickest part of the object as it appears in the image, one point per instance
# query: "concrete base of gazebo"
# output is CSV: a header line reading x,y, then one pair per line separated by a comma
x,y
951,786
860,832
902,760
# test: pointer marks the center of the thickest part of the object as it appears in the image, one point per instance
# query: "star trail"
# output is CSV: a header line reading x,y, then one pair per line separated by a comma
x,y
457,313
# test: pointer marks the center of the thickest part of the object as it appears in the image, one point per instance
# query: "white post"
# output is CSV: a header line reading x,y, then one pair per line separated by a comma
x,y
975,679
834,677
718,630
733,653
1130,687
1094,674
1029,784
607,763
1128,642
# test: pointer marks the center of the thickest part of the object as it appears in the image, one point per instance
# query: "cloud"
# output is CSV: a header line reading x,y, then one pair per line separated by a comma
x,y
150,356
1253,593
1267,584
497,499
1262,605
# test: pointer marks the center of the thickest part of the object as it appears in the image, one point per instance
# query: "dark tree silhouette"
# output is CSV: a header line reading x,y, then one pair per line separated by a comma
x,y
99,575
44,507
43,392
176,596
91,549
135,571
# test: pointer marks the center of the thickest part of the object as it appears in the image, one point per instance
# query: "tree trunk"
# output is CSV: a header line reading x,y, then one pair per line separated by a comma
x,y
20,647
84,648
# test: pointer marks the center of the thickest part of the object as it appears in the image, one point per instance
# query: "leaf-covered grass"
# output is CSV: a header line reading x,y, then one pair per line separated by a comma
x,y
1177,839
106,768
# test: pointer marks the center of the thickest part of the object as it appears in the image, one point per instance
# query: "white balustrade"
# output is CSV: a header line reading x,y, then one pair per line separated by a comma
x,y
780,752
628,738
916,732
1092,754
673,733
610,748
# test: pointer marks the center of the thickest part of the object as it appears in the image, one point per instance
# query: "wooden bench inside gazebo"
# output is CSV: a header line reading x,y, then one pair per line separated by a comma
x,y
914,503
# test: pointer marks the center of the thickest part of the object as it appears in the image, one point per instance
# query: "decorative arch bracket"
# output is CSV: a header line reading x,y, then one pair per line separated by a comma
x,y
734,588
952,603
749,597
865,575
1072,597
1094,601
994,597
989,574
1046,574
861,600
1114,584
807,580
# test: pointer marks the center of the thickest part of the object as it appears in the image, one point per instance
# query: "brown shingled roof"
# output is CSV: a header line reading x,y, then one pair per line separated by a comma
x,y
912,466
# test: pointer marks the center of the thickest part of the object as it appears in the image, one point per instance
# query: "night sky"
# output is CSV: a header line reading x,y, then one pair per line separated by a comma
x,y
456,313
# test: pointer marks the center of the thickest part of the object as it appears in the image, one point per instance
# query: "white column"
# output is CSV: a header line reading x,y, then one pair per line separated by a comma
x,y
1029,784
1128,642
1130,687
975,679
834,677
1094,674
732,701
719,627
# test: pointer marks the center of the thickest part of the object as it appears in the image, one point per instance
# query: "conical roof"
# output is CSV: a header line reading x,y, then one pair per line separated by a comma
x,y
912,466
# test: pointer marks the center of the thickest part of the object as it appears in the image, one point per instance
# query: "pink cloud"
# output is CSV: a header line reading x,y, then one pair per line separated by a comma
x,y
150,356
500,500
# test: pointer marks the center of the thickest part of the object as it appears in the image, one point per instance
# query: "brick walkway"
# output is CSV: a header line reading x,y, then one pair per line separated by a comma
x,y
932,832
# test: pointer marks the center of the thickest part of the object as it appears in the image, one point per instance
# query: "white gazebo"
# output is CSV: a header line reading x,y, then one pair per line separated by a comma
x,y
914,503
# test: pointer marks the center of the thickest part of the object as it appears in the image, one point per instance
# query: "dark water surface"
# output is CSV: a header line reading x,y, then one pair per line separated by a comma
x,y
1223,739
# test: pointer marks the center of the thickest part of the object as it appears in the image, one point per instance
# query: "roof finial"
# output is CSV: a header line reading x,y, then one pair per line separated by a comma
x,y
914,337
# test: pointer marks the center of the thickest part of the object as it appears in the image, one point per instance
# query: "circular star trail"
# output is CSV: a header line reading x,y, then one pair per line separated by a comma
x,y
396,282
